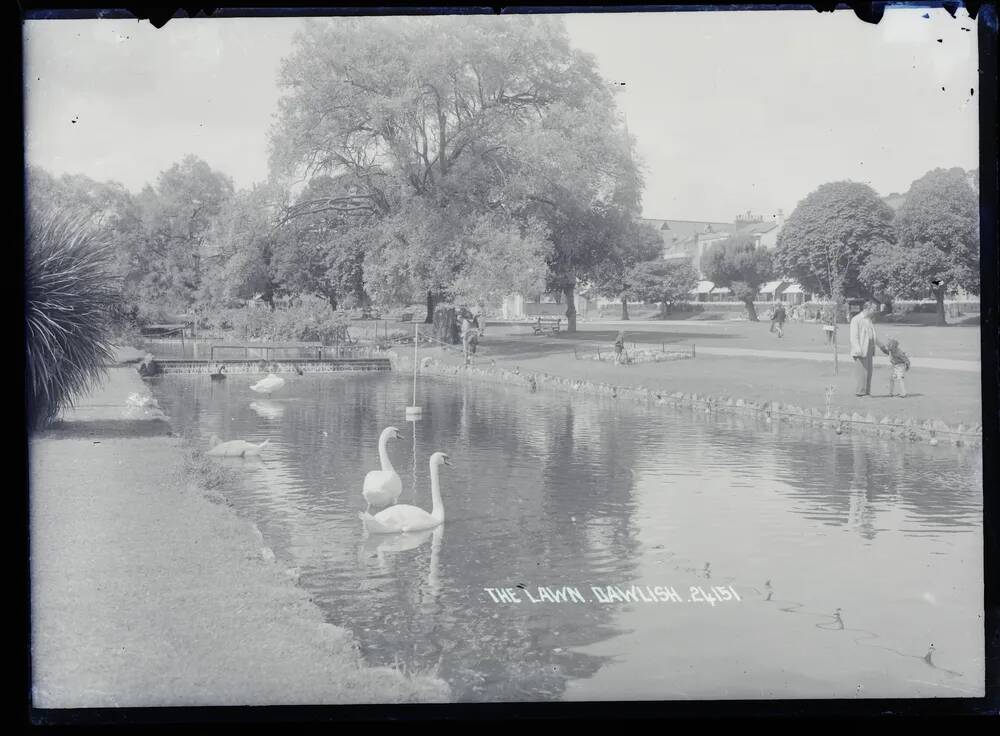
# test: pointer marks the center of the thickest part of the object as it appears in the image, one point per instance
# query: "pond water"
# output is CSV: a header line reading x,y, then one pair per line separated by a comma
x,y
841,566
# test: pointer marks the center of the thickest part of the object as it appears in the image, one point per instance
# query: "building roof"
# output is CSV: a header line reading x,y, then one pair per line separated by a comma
x,y
675,232
703,287
757,228
772,287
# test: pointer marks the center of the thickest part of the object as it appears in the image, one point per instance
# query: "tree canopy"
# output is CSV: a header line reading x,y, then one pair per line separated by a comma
x,y
444,137
629,244
661,281
177,216
936,250
829,236
738,264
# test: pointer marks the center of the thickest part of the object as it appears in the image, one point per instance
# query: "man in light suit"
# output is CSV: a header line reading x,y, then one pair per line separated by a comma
x,y
863,343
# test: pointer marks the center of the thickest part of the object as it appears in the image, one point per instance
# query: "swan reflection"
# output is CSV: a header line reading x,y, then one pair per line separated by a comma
x,y
267,409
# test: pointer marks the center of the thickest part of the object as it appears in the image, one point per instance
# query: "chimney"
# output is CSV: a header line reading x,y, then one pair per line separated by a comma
x,y
781,218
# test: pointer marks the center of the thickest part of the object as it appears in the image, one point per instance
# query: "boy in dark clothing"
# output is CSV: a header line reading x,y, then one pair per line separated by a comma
x,y
900,365
778,316
619,347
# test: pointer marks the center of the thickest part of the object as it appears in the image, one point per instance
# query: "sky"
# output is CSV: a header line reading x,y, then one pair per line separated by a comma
x,y
731,111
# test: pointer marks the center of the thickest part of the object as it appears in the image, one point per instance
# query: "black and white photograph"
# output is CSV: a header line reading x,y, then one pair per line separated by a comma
x,y
523,357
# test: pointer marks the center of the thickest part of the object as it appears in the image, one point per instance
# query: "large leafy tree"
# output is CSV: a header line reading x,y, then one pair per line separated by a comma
x,y
738,264
661,281
615,273
430,125
502,257
240,247
937,245
177,216
322,253
829,237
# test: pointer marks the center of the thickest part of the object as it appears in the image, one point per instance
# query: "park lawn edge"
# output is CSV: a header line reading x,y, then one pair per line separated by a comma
x,y
898,428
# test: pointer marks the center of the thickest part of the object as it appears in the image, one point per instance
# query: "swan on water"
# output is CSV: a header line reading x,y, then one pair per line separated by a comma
x,y
404,518
234,448
382,487
268,385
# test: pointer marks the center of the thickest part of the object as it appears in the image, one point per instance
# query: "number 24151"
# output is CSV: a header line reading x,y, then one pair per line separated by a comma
x,y
713,595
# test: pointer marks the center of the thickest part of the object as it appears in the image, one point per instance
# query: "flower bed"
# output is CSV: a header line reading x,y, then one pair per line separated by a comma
x,y
636,356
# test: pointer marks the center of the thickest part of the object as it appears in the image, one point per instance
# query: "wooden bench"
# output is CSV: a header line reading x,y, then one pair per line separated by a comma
x,y
546,323
406,317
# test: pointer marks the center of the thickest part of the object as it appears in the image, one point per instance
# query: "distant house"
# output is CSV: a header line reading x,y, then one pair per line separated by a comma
x,y
689,239
683,240
772,290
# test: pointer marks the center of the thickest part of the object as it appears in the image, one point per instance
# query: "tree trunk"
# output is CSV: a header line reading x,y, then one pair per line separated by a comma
x,y
624,308
570,309
446,327
939,295
751,310
429,319
332,298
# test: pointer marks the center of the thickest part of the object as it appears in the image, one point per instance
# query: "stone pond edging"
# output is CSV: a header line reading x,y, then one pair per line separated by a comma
x,y
932,432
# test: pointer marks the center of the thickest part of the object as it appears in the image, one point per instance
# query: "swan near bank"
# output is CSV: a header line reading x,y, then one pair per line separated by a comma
x,y
234,448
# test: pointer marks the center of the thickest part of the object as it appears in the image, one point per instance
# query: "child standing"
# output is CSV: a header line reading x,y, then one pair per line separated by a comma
x,y
619,348
900,365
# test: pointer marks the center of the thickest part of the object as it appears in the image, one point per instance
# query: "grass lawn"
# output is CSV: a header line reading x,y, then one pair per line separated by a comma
x,y
951,396
957,342
148,591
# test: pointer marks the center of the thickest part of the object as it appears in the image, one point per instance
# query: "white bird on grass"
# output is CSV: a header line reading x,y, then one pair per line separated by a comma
x,y
404,518
382,487
141,401
268,385
234,448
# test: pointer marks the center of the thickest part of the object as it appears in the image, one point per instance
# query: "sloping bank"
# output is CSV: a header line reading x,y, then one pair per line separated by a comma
x,y
148,590
901,428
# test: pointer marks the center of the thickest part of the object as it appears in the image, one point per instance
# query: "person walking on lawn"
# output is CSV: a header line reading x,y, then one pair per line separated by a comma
x,y
778,317
863,343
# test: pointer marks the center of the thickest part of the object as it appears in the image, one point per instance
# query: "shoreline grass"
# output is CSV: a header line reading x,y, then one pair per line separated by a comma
x,y
148,589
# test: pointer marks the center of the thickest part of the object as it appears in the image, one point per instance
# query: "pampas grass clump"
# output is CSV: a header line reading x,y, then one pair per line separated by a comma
x,y
70,295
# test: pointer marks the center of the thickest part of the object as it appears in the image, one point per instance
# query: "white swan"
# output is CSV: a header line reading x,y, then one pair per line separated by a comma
x,y
234,448
268,385
403,518
383,487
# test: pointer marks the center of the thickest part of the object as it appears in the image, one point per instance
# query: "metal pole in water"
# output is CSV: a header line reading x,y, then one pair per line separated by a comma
x,y
414,411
